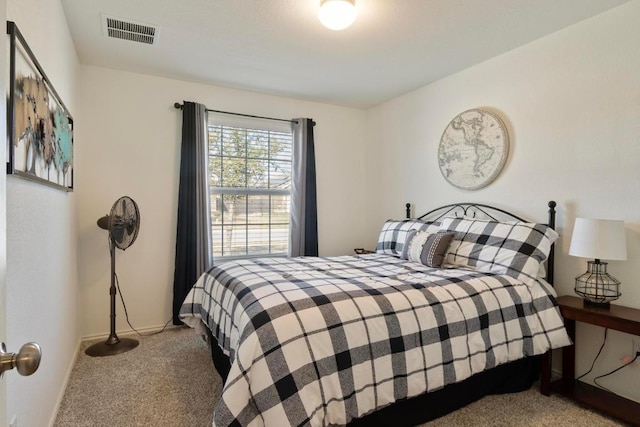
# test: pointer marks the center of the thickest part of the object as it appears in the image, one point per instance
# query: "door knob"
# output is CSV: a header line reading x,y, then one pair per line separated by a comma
x,y
26,360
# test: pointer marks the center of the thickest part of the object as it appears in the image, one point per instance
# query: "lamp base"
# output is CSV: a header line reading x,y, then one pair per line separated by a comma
x,y
596,286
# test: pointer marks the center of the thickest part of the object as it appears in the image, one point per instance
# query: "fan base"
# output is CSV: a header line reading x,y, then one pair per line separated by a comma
x,y
104,349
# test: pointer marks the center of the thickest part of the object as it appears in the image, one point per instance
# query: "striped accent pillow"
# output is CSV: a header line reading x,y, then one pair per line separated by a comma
x,y
426,248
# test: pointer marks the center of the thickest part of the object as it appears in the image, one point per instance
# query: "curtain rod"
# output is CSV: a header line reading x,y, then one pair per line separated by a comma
x,y
178,106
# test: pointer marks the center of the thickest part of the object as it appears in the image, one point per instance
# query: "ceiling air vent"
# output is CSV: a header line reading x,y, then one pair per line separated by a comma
x,y
129,30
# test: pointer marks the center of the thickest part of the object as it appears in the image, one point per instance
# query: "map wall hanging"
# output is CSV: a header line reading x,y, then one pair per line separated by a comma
x,y
39,126
473,149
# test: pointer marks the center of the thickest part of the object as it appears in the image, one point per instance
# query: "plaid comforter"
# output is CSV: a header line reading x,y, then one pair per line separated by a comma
x,y
321,341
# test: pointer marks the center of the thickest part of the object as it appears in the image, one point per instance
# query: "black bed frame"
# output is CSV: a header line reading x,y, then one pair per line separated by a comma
x,y
488,212
510,377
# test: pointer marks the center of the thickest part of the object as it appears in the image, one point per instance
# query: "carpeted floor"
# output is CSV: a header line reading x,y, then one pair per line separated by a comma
x,y
169,380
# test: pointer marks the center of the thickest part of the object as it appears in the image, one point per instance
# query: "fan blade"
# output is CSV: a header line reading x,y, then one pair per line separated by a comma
x,y
131,226
117,233
104,222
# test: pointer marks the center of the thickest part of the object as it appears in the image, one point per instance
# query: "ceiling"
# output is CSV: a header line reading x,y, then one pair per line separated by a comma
x,y
279,46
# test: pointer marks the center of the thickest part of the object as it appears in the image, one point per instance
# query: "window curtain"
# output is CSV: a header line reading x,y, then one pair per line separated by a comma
x,y
303,236
193,237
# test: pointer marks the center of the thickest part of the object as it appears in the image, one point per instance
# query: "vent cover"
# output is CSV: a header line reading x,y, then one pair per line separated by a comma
x,y
128,30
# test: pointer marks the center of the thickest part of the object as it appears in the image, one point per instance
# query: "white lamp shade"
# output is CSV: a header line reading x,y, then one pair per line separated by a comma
x,y
337,14
599,239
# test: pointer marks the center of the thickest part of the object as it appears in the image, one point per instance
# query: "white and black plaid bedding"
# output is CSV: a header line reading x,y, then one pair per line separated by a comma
x,y
515,248
393,235
320,341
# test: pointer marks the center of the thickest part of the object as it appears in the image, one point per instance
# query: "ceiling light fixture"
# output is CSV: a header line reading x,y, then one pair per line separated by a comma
x,y
337,14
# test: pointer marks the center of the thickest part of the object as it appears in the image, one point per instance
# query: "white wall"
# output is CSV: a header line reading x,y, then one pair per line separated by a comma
x,y
41,239
571,102
128,143
4,65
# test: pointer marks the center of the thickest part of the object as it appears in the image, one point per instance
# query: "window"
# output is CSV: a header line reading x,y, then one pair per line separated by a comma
x,y
250,185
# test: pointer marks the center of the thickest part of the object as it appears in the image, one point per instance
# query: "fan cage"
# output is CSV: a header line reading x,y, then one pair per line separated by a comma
x,y
124,222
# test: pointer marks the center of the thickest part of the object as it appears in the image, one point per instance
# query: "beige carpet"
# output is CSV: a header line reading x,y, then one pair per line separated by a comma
x,y
169,380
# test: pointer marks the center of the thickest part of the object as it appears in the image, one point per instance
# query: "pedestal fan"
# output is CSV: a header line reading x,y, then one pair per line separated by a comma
x,y
122,223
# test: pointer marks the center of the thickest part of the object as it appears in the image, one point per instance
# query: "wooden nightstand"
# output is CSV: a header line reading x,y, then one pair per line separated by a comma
x,y
362,251
615,317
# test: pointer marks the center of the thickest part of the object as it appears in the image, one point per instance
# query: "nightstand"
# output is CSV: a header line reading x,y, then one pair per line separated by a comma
x,y
614,317
362,251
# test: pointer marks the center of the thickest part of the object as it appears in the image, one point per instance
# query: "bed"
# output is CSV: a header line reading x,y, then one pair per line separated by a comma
x,y
452,306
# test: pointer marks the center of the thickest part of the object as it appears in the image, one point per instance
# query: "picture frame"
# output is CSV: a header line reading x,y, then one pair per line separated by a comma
x,y
39,125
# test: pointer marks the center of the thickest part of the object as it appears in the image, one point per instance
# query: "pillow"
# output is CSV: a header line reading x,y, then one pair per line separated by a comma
x,y
426,248
514,248
394,234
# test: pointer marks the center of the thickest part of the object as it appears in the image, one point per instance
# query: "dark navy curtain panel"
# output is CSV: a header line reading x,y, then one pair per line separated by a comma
x,y
304,207
193,236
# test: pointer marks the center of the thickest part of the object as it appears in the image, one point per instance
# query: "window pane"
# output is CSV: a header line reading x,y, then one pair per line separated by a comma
x,y
257,144
280,209
234,142
279,238
215,138
217,238
215,171
235,238
258,239
234,172
258,210
257,173
280,216
280,146
236,205
280,174
217,209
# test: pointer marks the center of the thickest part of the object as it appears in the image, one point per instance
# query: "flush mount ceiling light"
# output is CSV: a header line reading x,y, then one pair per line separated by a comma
x,y
337,14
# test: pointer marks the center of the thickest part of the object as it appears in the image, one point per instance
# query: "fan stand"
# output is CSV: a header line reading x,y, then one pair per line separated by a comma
x,y
113,345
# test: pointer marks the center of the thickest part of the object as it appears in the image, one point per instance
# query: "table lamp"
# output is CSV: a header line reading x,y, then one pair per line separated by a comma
x,y
598,239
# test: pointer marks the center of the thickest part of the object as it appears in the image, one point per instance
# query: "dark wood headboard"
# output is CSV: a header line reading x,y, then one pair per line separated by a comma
x,y
488,212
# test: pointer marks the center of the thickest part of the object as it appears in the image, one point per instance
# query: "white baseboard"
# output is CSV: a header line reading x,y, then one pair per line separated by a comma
x,y
126,332
65,383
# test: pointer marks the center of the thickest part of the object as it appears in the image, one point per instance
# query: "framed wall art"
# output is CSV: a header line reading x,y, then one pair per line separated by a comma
x,y
473,149
39,125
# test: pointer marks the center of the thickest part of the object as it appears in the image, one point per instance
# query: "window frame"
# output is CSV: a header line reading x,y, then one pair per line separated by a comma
x,y
221,121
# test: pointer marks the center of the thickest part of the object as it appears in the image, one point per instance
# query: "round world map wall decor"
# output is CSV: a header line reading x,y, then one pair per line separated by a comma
x,y
473,149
